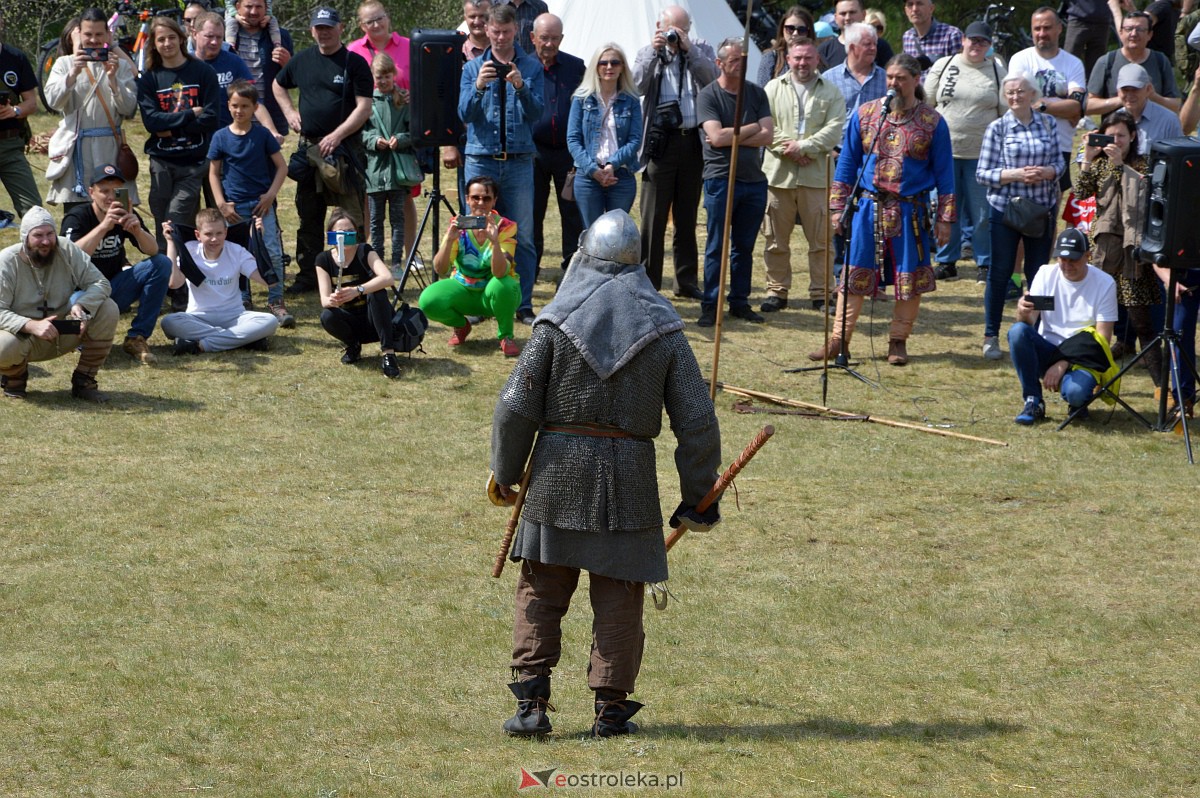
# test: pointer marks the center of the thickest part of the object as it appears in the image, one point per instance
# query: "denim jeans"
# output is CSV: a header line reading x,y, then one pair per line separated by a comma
x,y
388,205
274,244
146,284
971,198
594,200
515,178
1186,310
749,205
1032,355
1004,258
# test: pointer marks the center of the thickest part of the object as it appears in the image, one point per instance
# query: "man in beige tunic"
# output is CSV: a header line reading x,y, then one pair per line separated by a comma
x,y
46,283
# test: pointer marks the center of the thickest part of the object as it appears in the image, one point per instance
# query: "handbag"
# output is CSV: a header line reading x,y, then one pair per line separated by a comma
x,y
408,327
61,149
408,169
127,161
1027,217
568,192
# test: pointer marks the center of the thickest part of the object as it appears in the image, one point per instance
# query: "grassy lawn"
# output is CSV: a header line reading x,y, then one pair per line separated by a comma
x,y
267,574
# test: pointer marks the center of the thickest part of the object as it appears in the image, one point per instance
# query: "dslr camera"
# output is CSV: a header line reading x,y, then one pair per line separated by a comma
x,y
672,37
667,120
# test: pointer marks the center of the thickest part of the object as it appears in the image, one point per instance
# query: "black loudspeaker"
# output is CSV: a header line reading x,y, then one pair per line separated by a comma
x,y
1170,234
436,64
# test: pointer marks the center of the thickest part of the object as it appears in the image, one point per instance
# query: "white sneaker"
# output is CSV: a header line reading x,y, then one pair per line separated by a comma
x,y
991,348
418,263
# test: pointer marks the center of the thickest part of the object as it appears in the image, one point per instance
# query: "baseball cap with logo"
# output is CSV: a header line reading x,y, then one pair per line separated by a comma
x,y
325,16
107,171
1071,244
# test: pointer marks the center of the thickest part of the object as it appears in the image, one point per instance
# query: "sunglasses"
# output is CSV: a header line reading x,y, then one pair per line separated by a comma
x,y
795,28
610,63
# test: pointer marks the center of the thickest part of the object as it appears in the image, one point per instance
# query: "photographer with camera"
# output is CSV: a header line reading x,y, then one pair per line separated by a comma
x,y
480,247
669,74
18,100
92,86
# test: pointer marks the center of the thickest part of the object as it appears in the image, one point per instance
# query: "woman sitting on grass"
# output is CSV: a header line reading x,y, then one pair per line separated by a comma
x,y
484,281
353,287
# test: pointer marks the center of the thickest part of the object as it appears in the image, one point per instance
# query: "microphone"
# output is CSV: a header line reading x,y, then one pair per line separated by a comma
x,y
888,99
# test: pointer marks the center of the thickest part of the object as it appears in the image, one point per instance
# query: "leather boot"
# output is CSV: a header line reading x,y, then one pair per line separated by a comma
x,y
613,713
829,351
13,385
533,701
83,386
897,352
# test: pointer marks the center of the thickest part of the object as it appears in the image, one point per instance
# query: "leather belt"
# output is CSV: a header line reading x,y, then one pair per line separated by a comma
x,y
591,430
689,131
11,133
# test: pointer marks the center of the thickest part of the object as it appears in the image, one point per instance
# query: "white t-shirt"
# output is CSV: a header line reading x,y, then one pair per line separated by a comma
x,y
1063,70
1076,305
219,293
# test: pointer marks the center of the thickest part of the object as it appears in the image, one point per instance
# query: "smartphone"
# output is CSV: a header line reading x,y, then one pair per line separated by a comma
x,y
67,326
472,222
1099,140
502,70
1043,303
348,237
123,198
95,53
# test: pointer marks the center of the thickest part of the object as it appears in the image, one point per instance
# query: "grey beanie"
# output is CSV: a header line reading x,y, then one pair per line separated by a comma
x,y
33,219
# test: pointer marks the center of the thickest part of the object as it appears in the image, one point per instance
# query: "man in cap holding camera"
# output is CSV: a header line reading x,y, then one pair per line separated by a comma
x,y
101,228
18,100
335,102
53,301
669,73
1074,296
500,100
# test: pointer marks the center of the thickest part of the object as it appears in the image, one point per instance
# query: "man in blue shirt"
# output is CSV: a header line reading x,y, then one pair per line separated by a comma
x,y
499,101
562,75
859,77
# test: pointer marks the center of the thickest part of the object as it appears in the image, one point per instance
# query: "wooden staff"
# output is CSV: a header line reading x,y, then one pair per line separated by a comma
x,y
723,481
513,519
779,400
828,270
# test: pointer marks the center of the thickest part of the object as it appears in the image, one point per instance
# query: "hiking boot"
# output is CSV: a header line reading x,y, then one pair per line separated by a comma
x,y
136,347
14,387
390,366
460,334
186,346
286,320
1034,411
946,271
85,387
773,304
897,353
509,347
613,713
352,354
533,701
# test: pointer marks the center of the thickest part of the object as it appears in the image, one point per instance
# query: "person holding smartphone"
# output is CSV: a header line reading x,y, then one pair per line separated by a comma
x,y
480,247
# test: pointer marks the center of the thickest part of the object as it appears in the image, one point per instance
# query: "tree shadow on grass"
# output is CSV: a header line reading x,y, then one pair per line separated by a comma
x,y
935,731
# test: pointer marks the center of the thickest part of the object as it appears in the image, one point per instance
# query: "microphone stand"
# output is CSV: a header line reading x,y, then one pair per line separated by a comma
x,y
842,360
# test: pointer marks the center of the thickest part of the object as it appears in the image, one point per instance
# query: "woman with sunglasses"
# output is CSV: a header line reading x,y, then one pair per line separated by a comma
x,y
796,23
603,135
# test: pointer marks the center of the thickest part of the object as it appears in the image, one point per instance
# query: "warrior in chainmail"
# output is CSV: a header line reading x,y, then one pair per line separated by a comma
x,y
605,357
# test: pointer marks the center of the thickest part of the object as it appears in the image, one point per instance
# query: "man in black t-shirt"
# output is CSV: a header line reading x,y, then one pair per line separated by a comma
x,y
101,228
18,100
335,102
715,112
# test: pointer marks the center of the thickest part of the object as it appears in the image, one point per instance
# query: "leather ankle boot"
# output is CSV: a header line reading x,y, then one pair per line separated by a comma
x,y
897,352
830,351
533,701
613,713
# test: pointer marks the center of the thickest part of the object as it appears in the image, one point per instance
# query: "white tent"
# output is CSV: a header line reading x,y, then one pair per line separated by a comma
x,y
587,24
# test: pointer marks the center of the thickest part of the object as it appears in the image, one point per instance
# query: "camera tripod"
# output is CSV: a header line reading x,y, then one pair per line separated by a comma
x,y
435,196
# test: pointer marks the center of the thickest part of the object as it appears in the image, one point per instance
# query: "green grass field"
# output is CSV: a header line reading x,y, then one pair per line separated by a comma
x,y
267,574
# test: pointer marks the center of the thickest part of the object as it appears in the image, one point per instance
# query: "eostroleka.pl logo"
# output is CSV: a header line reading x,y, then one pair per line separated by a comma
x,y
551,778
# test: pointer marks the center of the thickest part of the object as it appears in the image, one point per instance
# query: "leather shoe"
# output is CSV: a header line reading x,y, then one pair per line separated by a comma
x,y
897,353
746,313
689,292
708,318
829,351
526,315
773,303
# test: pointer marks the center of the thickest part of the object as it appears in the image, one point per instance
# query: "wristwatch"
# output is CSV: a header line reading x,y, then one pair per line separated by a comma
x,y
17,111
360,290
1042,107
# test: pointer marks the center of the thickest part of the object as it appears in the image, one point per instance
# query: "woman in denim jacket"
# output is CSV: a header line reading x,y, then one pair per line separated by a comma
x,y
604,135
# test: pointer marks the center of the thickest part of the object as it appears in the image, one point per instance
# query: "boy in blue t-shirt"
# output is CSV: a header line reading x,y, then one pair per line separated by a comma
x,y
246,151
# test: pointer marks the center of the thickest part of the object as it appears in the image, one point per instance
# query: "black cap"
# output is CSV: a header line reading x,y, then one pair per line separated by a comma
x,y
324,16
107,171
1071,244
979,30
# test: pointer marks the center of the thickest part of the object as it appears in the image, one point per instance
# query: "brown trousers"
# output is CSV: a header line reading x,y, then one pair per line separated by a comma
x,y
543,597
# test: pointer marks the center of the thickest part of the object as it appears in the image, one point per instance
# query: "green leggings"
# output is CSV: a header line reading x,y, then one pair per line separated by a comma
x,y
449,302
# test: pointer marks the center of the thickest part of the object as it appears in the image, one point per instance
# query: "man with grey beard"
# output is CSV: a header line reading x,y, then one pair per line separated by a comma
x,y
52,302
